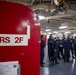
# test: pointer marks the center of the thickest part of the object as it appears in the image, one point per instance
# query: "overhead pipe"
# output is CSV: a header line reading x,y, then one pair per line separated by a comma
x,y
32,2
73,21
57,16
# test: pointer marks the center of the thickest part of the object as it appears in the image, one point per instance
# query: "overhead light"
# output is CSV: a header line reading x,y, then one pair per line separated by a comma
x,y
48,30
55,32
60,34
67,32
47,27
41,17
63,27
62,13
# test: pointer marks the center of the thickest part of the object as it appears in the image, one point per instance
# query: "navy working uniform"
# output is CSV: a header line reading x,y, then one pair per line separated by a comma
x,y
72,46
50,49
60,47
75,47
55,49
67,48
42,45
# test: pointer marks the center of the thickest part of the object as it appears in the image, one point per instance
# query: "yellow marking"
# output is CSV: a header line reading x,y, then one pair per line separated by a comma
x,y
59,1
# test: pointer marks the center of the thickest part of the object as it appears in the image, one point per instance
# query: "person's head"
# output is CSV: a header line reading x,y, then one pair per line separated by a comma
x,y
50,36
60,38
64,36
75,38
42,36
57,38
71,37
68,36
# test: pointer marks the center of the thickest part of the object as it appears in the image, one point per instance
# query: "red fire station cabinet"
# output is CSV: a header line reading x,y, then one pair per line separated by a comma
x,y
19,40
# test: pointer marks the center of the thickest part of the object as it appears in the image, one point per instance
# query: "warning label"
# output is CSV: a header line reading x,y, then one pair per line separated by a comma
x,y
8,68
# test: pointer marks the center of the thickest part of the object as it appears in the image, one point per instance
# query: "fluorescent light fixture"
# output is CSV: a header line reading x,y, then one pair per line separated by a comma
x,y
48,30
41,17
47,27
63,27
67,32
55,32
60,34
61,12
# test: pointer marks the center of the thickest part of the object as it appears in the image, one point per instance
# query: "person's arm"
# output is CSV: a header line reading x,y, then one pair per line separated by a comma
x,y
42,44
49,42
53,46
74,45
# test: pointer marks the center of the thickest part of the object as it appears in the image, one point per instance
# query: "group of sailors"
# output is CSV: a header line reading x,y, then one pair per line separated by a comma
x,y
58,48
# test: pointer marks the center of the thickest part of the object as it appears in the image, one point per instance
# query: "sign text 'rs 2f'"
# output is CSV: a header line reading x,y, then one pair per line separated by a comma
x,y
7,39
13,40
